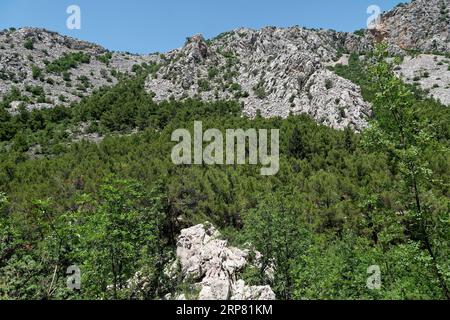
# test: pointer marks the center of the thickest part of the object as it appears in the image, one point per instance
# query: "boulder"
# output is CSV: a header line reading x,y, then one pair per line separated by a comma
x,y
206,258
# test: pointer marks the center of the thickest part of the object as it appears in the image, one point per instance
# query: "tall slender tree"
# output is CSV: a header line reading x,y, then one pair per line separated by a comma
x,y
398,131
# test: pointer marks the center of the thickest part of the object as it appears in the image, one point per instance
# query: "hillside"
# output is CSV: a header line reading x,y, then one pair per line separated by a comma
x,y
419,25
358,210
50,69
272,71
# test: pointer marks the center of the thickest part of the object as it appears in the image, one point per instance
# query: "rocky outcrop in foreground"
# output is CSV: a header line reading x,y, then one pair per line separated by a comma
x,y
208,260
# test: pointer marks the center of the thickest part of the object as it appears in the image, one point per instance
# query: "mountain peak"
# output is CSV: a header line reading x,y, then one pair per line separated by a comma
x,y
196,48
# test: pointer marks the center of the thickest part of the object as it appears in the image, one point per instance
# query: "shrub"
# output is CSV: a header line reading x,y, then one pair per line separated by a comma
x,y
36,72
105,58
360,32
29,44
67,62
212,73
66,76
235,87
204,85
35,90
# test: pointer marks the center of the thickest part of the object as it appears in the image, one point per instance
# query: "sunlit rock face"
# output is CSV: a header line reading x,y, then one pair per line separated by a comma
x,y
206,258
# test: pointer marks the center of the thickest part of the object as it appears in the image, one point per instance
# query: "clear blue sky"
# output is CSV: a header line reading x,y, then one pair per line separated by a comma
x,y
145,26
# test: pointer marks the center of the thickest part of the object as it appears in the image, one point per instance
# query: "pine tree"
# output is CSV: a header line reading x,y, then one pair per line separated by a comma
x,y
296,145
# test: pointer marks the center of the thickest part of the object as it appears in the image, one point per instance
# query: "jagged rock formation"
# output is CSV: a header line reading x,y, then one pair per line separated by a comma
x,y
421,25
26,53
272,71
208,260
281,71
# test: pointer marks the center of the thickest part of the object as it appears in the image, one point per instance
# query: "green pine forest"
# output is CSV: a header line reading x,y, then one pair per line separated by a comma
x,y
341,202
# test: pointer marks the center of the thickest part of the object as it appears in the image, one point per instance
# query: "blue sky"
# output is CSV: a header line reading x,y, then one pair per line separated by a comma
x,y
145,26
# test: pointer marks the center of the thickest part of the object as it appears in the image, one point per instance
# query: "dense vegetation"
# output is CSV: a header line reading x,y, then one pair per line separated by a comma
x,y
340,203
67,62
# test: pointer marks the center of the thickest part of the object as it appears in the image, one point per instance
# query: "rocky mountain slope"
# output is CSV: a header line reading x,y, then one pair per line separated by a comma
x,y
431,72
281,71
420,25
272,71
51,69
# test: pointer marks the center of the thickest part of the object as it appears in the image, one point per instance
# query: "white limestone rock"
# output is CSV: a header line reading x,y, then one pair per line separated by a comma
x,y
206,258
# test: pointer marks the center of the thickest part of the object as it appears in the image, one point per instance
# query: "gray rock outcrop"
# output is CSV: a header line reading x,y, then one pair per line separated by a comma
x,y
272,71
430,72
420,25
25,54
214,266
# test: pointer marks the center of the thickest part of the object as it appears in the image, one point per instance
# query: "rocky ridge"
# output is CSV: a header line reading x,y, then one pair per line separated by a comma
x,y
277,72
272,71
32,61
